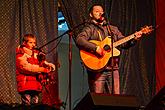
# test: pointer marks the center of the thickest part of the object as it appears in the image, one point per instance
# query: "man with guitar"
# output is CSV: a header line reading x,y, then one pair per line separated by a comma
x,y
28,67
94,43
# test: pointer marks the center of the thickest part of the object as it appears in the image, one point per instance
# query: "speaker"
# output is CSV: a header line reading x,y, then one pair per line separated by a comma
x,y
93,101
157,102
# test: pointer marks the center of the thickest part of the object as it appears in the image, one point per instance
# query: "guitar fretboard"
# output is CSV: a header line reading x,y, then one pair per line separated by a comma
x,y
121,41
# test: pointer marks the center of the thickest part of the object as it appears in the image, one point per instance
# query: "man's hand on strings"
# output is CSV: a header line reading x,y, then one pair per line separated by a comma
x,y
100,51
138,35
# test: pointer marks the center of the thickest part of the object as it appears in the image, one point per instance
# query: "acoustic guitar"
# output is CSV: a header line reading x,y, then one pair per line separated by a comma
x,y
93,62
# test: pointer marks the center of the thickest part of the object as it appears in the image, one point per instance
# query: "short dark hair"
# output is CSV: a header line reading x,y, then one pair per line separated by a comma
x,y
96,4
26,36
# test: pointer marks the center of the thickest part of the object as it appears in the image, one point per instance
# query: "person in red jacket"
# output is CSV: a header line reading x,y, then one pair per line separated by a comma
x,y
28,67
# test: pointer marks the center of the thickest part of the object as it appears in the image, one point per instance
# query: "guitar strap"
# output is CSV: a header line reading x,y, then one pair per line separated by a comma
x,y
100,37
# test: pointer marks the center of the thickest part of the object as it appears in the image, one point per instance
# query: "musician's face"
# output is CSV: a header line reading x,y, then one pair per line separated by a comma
x,y
97,12
30,44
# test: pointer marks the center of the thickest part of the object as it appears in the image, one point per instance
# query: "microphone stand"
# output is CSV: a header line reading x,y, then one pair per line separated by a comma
x,y
66,32
110,33
70,33
70,71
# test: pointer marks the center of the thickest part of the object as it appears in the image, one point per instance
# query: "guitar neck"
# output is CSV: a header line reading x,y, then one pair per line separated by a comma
x,y
121,41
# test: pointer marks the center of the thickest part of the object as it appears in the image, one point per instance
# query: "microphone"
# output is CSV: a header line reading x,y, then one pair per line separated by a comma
x,y
41,56
102,19
35,48
39,50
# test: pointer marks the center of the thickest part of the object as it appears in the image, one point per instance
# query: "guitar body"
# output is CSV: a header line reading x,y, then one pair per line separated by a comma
x,y
95,63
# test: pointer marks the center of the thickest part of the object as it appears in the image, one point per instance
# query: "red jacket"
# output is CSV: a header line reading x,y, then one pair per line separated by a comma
x,y
27,68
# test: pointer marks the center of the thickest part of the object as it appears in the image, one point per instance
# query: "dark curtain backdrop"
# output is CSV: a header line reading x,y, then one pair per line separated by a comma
x,y
160,44
137,65
20,17
9,30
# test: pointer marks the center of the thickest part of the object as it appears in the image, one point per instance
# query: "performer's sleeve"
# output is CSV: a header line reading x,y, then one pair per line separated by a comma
x,y
83,38
25,67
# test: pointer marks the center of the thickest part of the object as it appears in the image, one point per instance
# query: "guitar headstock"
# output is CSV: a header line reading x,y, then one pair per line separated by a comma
x,y
147,29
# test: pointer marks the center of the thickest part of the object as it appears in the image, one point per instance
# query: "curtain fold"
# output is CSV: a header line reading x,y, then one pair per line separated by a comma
x,y
75,13
9,30
137,65
160,39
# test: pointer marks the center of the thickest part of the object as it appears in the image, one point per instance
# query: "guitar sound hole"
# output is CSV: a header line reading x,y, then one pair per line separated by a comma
x,y
107,48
